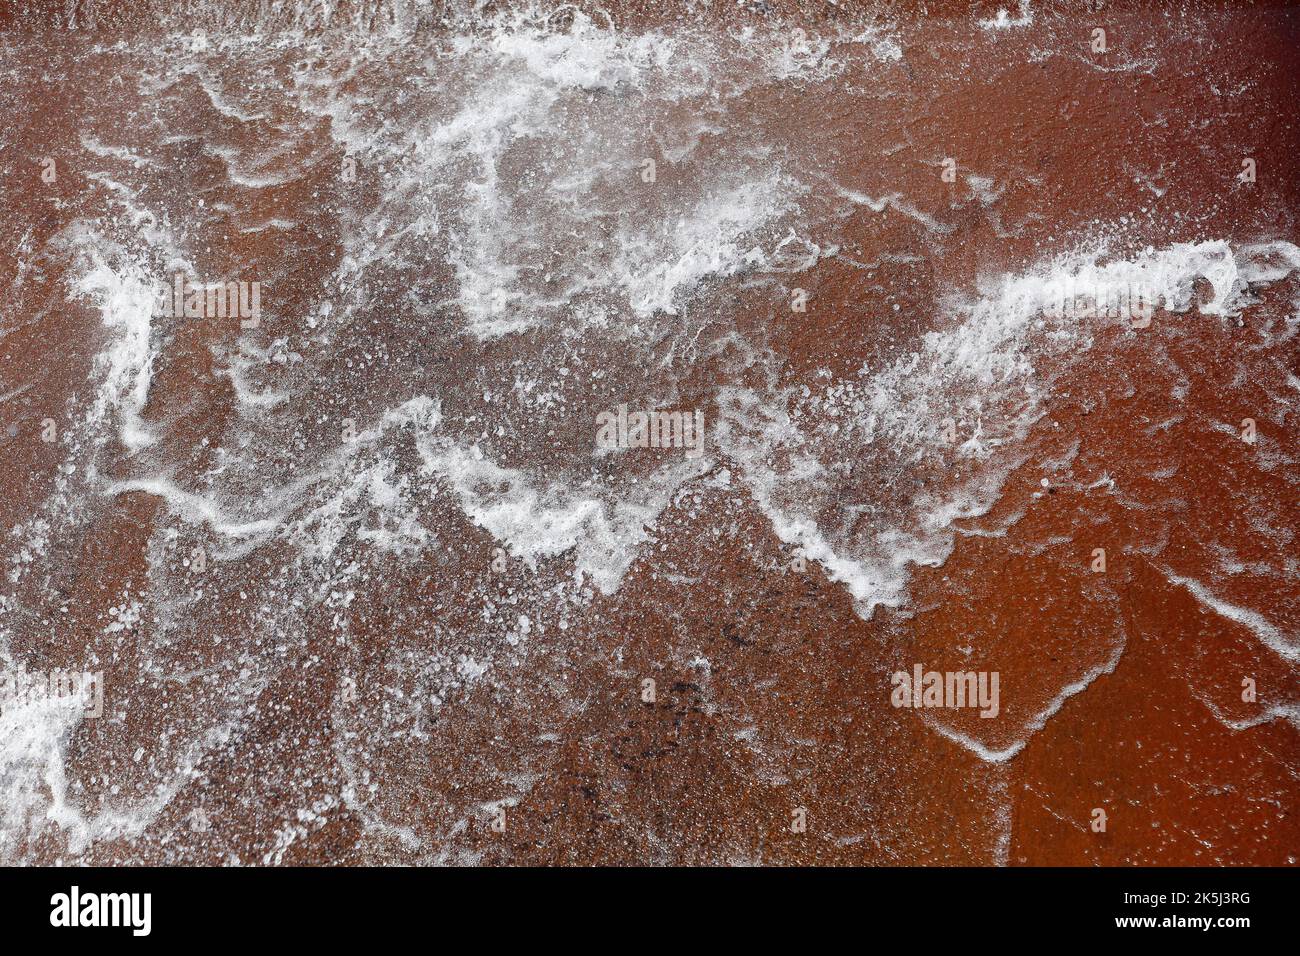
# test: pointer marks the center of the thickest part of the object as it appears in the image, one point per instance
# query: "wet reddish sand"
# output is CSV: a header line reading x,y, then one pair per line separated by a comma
x,y
315,743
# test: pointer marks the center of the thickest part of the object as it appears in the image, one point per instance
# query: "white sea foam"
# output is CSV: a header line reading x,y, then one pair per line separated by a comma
x,y
1003,20
126,297
93,144
710,241
1268,634
33,735
511,195
898,203
982,367
1038,722
797,55
627,240
193,507
543,522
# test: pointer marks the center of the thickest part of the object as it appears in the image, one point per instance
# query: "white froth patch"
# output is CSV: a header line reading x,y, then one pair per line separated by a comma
x,y
755,434
1003,754
516,87
1003,20
356,491
796,55
897,202
713,240
122,153
1270,636
985,351
587,56
34,787
195,508
543,522
126,297
1288,712
981,369
33,736
319,511
525,71
241,367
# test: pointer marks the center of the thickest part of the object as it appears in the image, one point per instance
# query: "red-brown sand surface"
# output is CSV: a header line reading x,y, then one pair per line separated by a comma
x,y
362,586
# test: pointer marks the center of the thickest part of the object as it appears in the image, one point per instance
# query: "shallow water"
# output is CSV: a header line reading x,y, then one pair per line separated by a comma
x,y
363,585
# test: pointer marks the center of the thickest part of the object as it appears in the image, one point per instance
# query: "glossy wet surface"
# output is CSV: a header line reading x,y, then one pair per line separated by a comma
x,y
361,584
